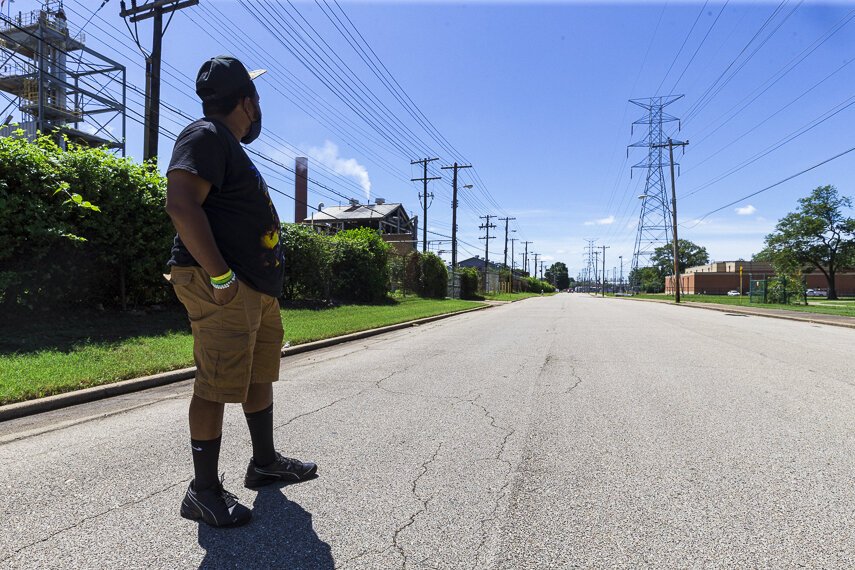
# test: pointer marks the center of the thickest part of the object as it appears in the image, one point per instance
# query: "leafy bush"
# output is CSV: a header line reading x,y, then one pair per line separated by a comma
x,y
359,266
53,253
786,290
307,262
535,285
469,280
434,276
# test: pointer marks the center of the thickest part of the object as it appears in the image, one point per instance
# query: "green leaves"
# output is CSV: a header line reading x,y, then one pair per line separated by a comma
x,y
819,234
95,217
74,198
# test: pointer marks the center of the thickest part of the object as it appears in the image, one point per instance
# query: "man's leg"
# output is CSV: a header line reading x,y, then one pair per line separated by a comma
x,y
268,466
206,429
258,409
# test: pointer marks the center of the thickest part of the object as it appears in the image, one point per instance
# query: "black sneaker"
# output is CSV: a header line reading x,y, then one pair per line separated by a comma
x,y
214,506
282,469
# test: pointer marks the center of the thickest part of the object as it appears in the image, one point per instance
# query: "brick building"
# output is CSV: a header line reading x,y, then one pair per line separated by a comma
x,y
723,276
392,221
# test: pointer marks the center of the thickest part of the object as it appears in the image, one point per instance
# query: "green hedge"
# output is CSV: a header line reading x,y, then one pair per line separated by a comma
x,y
55,253
307,262
535,285
469,281
434,276
359,266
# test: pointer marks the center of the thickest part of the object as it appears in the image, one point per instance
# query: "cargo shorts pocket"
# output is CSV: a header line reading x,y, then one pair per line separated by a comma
x,y
182,280
224,364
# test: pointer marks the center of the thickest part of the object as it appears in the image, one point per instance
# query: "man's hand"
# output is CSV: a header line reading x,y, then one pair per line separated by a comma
x,y
225,296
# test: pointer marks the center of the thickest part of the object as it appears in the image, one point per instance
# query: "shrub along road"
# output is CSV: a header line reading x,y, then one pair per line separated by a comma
x,y
559,432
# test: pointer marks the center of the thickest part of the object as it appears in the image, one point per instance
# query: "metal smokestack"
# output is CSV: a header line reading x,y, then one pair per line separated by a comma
x,y
301,188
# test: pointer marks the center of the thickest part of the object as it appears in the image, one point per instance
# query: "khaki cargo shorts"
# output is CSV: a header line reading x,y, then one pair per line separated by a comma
x,y
235,344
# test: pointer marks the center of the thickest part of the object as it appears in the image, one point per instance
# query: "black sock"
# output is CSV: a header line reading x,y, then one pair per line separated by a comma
x,y
206,457
261,431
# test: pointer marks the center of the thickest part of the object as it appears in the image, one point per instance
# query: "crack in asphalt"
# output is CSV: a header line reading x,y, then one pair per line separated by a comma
x,y
376,384
501,494
316,410
548,361
95,516
415,515
575,376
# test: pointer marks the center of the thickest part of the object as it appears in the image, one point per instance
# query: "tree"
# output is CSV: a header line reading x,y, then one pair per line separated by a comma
x,y
648,279
558,275
691,255
818,235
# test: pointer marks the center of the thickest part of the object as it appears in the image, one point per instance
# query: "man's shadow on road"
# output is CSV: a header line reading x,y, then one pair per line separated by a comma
x,y
280,535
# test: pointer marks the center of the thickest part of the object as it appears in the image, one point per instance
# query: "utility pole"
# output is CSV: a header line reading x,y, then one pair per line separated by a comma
x,y
676,248
536,255
525,256
487,226
604,248
506,220
455,167
154,9
424,196
513,263
596,270
621,274
542,263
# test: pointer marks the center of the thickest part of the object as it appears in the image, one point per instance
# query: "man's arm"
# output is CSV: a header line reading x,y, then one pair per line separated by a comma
x,y
185,193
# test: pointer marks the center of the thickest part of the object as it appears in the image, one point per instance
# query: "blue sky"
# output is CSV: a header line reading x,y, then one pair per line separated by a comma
x,y
535,95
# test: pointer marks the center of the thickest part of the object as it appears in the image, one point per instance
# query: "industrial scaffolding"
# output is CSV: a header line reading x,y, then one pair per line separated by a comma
x,y
56,85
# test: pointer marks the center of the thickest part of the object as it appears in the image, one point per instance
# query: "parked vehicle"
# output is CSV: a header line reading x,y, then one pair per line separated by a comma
x,y
733,293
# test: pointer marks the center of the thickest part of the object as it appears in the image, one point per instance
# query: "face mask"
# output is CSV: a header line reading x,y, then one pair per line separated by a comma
x,y
254,128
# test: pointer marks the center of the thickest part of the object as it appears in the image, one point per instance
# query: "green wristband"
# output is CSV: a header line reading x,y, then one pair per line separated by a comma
x,y
223,279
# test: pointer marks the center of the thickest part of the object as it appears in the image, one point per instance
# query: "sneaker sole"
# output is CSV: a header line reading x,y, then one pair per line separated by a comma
x,y
195,516
263,481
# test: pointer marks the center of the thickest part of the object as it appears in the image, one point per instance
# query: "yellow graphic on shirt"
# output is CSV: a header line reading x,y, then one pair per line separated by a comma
x,y
270,239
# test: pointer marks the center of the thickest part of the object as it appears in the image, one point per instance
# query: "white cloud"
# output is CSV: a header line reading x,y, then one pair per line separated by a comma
x,y
329,157
746,210
601,222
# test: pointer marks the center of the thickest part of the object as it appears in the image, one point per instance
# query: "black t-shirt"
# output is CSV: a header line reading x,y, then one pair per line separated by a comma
x,y
242,217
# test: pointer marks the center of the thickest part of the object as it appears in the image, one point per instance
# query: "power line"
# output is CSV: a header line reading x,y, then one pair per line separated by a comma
x,y
788,178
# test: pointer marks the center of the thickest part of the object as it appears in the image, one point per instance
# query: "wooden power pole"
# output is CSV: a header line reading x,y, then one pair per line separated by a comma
x,y
424,196
154,9
675,248
455,167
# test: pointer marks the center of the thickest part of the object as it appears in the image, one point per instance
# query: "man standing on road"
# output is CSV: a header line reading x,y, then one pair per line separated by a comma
x,y
226,268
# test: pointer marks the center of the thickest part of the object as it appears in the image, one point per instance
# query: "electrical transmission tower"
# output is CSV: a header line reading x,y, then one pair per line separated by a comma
x,y
590,268
654,221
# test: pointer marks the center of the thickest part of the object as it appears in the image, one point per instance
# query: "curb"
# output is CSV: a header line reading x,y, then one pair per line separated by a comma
x,y
742,311
50,403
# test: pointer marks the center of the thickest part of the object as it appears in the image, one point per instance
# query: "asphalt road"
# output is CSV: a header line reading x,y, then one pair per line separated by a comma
x,y
562,432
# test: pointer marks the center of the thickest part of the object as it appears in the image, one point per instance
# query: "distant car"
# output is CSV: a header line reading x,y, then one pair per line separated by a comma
x,y
816,293
733,293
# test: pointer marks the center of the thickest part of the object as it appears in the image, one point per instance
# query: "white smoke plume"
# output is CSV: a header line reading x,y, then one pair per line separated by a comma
x,y
328,155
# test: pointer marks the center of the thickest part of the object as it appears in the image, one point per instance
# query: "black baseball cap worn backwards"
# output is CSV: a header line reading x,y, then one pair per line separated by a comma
x,y
221,76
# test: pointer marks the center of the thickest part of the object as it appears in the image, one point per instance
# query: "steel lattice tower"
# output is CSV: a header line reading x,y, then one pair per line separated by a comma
x,y
654,221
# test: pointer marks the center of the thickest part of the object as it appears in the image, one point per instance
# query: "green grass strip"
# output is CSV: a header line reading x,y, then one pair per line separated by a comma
x,y
71,353
842,307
